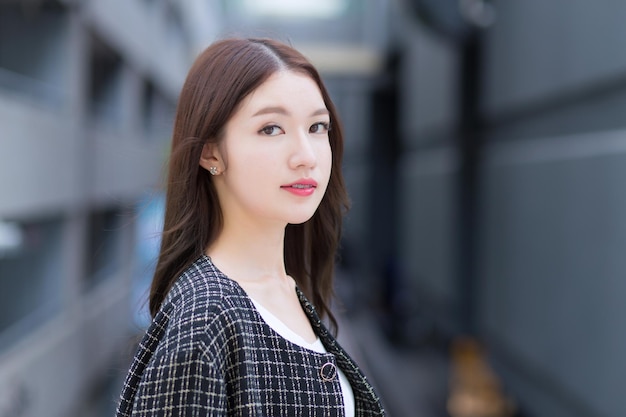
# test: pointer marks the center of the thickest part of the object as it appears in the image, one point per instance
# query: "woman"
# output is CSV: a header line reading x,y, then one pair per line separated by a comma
x,y
253,214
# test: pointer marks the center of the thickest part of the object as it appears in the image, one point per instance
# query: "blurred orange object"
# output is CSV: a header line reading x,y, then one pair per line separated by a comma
x,y
475,390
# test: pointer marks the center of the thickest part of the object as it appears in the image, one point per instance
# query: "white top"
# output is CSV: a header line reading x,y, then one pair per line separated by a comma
x,y
317,346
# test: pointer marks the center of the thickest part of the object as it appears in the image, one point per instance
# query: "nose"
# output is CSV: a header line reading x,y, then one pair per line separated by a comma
x,y
303,154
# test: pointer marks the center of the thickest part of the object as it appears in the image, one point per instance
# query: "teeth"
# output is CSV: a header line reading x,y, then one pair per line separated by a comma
x,y
301,186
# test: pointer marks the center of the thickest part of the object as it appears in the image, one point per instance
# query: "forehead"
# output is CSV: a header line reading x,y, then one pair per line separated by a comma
x,y
285,88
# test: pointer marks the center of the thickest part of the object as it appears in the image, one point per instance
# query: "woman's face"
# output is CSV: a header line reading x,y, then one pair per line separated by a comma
x,y
275,158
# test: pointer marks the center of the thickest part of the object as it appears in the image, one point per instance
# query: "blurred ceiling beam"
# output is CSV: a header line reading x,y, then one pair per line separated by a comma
x,y
343,59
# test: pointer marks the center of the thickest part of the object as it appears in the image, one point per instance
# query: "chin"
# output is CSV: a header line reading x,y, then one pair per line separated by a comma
x,y
300,219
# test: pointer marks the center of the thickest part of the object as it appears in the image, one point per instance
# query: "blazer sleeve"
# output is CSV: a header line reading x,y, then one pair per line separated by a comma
x,y
183,383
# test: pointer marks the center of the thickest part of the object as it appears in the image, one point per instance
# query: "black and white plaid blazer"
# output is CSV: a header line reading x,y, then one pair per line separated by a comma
x,y
208,352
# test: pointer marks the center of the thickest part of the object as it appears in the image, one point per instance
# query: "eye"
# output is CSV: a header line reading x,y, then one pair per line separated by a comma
x,y
271,130
320,127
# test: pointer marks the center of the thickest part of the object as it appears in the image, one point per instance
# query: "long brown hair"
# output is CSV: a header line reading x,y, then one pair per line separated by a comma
x,y
220,78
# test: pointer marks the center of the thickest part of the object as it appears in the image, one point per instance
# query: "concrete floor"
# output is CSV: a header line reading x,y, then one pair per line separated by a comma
x,y
412,381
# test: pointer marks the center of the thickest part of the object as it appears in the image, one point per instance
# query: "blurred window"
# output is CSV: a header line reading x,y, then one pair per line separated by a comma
x,y
105,84
149,224
34,50
300,8
104,241
30,276
157,113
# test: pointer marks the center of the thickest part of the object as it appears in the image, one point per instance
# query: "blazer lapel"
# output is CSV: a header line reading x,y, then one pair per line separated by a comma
x,y
366,400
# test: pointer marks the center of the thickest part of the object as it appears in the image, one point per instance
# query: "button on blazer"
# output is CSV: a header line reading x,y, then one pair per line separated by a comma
x,y
208,352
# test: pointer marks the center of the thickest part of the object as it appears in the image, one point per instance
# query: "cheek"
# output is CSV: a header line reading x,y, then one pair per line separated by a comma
x,y
324,164
250,157
326,158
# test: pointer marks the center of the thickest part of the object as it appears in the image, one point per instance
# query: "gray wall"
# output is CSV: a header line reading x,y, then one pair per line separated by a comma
x,y
551,240
554,237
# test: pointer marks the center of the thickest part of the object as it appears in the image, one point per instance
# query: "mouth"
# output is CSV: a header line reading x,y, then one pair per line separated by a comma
x,y
301,184
301,188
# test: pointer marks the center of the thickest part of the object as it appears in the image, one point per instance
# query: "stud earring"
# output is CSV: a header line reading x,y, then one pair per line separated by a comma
x,y
213,170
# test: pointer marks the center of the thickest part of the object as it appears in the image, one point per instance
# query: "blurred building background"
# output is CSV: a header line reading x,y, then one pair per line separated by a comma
x,y
484,257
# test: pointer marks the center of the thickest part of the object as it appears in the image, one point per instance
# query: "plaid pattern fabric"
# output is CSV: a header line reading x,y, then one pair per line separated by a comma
x,y
208,352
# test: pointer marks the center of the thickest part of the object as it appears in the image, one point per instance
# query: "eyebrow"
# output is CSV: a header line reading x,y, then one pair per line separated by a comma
x,y
283,111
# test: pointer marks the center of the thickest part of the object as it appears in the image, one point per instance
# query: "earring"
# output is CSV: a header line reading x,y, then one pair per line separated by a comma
x,y
213,170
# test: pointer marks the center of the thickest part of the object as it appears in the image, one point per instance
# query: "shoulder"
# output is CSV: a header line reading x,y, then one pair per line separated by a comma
x,y
202,307
202,285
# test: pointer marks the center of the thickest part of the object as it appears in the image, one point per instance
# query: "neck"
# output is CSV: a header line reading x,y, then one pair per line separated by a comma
x,y
250,253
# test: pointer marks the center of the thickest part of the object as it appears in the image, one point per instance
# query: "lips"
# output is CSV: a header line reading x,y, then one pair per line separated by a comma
x,y
303,187
301,184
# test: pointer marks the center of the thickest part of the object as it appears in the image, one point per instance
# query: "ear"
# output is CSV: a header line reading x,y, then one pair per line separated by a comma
x,y
211,158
